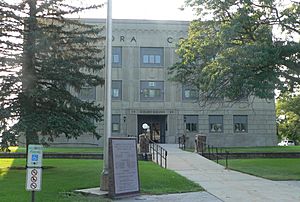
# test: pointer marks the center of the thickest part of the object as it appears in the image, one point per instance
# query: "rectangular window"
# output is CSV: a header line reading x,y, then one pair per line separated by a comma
x,y
116,56
240,123
189,93
116,93
152,90
191,123
116,122
152,57
216,123
87,93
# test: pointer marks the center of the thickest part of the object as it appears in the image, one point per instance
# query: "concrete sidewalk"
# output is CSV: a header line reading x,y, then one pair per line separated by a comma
x,y
228,185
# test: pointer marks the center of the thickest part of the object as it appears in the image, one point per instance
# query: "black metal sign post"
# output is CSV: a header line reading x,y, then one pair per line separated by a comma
x,y
34,169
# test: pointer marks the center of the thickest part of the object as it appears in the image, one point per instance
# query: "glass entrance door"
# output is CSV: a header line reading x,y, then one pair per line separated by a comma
x,y
157,124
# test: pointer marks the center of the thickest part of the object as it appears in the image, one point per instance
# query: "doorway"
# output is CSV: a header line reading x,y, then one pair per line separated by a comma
x,y
157,124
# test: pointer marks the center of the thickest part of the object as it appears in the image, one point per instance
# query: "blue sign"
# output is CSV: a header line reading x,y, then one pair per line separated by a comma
x,y
34,157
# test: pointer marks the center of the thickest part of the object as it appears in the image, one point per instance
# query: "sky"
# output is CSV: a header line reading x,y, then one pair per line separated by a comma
x,y
144,9
138,9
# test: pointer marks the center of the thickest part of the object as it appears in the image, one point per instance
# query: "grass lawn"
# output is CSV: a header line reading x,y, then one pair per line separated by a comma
x,y
62,176
62,149
256,149
274,169
263,149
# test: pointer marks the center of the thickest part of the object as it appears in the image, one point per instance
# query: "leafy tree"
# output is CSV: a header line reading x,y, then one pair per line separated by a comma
x,y
288,117
44,58
231,52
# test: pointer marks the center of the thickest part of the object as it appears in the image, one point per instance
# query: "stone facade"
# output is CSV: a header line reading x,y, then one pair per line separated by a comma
x,y
144,51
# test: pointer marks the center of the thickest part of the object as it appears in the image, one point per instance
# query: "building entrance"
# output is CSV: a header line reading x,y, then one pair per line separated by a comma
x,y
157,124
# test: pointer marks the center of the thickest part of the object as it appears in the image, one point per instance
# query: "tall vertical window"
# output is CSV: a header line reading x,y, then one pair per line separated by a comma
x,y
152,57
116,56
87,93
215,123
116,93
152,90
191,123
189,93
240,123
115,123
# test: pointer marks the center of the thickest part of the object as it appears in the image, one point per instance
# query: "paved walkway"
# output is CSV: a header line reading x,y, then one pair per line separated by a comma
x,y
228,185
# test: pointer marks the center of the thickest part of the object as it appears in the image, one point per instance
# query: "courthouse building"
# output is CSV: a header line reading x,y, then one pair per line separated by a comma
x,y
142,93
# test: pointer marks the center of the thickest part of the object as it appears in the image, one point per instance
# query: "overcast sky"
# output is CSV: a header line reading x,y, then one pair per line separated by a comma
x,y
145,9
137,9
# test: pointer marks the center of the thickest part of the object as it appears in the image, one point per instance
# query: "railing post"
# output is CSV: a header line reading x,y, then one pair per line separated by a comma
x,y
208,151
153,157
157,153
166,154
226,159
161,155
217,155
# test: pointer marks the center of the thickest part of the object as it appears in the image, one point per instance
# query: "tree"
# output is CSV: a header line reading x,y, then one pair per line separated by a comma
x,y
288,117
231,51
44,55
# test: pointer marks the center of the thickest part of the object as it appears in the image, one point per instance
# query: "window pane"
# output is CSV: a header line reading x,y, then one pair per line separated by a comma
x,y
117,56
187,93
191,123
87,93
115,93
151,59
146,59
157,59
152,90
216,123
115,119
115,127
240,123
116,59
151,84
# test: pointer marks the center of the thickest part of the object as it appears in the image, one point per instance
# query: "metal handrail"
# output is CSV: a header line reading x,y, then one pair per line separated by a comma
x,y
159,154
215,153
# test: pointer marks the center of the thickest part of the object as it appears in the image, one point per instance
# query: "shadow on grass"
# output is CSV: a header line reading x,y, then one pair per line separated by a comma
x,y
62,176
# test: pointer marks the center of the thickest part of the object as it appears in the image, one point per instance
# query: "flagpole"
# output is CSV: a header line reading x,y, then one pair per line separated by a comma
x,y
107,117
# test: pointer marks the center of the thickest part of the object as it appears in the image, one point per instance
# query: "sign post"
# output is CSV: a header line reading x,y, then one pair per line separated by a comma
x,y
34,169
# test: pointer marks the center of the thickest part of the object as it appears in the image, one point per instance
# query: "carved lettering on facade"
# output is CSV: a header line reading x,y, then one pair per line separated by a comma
x,y
133,39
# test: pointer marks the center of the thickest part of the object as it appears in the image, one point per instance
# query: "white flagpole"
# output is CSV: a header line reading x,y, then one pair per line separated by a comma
x,y
107,116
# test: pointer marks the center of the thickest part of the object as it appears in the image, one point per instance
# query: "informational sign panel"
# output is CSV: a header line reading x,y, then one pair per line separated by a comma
x,y
35,156
33,179
123,167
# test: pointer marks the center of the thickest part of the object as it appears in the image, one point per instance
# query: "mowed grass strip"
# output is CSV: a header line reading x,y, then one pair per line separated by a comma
x,y
262,149
98,150
62,176
273,169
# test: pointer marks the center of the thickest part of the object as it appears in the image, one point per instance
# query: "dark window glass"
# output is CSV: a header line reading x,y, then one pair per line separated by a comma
x,y
115,121
240,123
87,93
191,123
152,57
116,93
116,56
152,90
216,123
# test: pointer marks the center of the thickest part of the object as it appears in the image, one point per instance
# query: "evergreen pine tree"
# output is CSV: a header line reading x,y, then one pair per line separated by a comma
x,y
45,58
